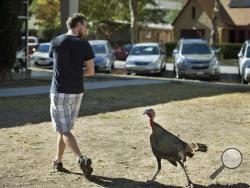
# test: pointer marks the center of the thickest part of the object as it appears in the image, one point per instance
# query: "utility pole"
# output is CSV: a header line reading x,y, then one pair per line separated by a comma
x,y
68,7
26,18
133,20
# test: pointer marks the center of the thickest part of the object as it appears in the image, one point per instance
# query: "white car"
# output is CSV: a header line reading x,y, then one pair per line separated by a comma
x,y
40,58
244,62
146,58
194,58
32,41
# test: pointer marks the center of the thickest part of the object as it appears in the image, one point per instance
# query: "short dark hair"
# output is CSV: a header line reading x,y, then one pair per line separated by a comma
x,y
74,19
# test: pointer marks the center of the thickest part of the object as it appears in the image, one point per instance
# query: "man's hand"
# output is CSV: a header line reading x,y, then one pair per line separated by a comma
x,y
90,68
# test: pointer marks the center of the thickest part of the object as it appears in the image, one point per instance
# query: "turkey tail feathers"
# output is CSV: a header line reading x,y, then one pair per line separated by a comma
x,y
197,147
201,147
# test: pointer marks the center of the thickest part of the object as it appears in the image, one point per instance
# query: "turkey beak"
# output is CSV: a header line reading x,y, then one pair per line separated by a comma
x,y
145,112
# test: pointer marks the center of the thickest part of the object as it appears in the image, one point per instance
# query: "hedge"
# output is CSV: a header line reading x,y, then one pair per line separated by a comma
x,y
229,50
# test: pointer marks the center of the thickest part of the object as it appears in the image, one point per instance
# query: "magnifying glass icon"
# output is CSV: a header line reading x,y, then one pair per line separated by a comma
x,y
231,158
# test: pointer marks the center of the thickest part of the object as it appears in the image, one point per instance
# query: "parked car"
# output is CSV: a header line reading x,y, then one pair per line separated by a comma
x,y
104,55
40,58
195,58
244,62
32,41
121,53
146,58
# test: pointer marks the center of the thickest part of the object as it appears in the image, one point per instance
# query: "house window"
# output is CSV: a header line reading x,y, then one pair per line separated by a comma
x,y
189,33
193,13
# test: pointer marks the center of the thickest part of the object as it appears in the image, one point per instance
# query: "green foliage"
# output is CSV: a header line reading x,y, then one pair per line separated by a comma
x,y
101,13
47,13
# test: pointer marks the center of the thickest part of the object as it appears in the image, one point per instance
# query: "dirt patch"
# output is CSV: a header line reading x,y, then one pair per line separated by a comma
x,y
113,132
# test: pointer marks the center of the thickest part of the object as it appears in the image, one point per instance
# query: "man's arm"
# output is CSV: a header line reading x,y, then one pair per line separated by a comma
x,y
90,68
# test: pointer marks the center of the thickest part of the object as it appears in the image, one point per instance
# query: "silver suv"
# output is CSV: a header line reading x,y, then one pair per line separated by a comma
x,y
244,62
194,58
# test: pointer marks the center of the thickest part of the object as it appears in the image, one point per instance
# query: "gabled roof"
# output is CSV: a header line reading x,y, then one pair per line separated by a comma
x,y
239,16
228,16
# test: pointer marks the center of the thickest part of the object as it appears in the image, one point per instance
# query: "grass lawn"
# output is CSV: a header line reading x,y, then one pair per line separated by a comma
x,y
113,132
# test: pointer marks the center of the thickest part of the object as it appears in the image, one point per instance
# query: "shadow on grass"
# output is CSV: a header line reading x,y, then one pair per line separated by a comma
x,y
17,111
128,183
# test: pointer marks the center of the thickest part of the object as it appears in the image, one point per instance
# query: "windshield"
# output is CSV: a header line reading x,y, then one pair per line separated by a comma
x,y
248,52
99,48
43,48
195,49
145,50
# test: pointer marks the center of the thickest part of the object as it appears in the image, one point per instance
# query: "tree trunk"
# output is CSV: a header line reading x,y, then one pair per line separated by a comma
x,y
9,34
133,20
214,32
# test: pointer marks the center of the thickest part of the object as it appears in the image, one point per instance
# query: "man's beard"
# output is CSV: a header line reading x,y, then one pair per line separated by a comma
x,y
81,34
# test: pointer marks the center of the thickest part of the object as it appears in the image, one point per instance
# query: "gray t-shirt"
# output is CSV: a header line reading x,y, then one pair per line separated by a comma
x,y
69,53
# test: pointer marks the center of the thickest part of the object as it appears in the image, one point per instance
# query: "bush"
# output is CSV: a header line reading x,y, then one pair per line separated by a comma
x,y
229,50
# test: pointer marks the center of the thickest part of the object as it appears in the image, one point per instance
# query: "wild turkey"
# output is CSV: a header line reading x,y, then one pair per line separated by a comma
x,y
167,146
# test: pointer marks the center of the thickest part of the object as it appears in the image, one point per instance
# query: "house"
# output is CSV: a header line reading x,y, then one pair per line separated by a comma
x,y
195,20
155,32
159,32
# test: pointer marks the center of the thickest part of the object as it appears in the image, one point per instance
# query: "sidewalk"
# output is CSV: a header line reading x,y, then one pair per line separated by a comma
x,y
11,92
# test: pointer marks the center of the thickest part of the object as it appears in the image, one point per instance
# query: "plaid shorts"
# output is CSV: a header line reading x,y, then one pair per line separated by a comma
x,y
64,109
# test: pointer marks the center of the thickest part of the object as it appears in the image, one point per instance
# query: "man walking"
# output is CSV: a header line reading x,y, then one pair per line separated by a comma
x,y
73,59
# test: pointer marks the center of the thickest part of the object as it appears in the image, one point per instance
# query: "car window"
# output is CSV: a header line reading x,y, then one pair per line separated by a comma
x,y
248,52
145,50
31,40
99,48
195,48
43,48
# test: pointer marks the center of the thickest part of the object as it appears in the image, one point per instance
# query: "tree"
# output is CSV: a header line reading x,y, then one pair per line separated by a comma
x,y
9,34
47,13
133,20
101,13
214,30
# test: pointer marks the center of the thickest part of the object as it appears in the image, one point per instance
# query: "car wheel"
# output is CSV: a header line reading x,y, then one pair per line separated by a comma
x,y
128,72
109,70
217,77
243,81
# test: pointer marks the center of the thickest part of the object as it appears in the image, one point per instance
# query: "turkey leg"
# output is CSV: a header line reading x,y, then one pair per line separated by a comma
x,y
190,183
158,169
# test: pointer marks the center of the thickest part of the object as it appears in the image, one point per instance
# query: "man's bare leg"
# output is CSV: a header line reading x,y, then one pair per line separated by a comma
x,y
84,163
70,141
60,148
